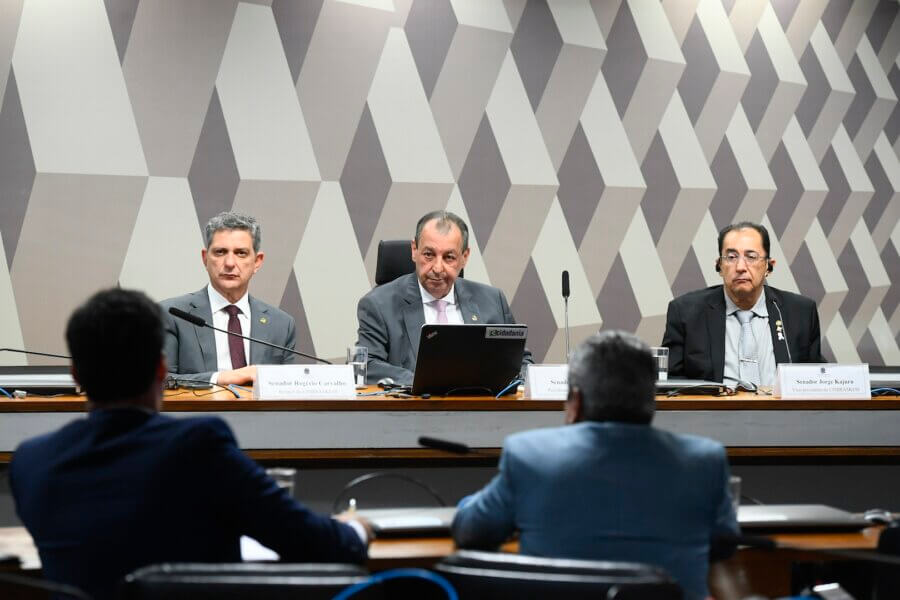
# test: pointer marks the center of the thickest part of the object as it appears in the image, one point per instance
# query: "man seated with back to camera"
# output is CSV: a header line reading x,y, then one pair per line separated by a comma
x,y
127,487
740,331
608,485
391,315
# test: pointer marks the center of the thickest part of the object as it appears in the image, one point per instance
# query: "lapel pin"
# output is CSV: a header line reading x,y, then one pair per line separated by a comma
x,y
263,320
474,317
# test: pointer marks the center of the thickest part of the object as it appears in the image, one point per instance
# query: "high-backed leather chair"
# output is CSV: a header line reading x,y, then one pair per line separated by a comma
x,y
260,581
501,576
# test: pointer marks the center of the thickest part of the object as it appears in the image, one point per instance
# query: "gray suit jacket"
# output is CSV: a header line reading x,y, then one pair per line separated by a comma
x,y
191,350
391,318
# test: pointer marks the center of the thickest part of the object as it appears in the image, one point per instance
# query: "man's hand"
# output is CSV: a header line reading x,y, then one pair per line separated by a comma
x,y
241,376
349,515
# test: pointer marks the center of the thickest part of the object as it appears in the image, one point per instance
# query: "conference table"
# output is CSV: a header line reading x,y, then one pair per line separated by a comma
x,y
369,429
374,430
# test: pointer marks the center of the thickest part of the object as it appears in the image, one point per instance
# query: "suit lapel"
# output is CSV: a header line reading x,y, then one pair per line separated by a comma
x,y
259,328
715,322
779,346
413,313
466,304
205,337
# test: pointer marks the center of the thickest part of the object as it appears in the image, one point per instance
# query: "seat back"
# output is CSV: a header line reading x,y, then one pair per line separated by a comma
x,y
393,260
496,576
260,581
887,577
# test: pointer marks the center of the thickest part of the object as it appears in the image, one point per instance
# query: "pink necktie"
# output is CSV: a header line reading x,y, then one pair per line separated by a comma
x,y
441,307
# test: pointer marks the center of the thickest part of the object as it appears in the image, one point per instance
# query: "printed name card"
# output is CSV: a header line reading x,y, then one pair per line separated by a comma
x,y
293,382
546,382
822,381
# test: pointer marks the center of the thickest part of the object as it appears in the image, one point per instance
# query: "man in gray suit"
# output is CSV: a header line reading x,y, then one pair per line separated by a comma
x,y
391,315
231,257
608,485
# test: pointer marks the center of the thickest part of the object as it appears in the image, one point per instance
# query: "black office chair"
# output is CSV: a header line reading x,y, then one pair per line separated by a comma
x,y
393,260
501,576
887,577
260,581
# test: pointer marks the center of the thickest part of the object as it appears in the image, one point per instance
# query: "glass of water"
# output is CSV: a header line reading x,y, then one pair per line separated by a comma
x,y
661,354
284,477
358,358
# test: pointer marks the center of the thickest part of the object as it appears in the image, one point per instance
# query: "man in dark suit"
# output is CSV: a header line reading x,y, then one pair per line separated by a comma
x,y
739,331
391,315
608,485
231,257
127,487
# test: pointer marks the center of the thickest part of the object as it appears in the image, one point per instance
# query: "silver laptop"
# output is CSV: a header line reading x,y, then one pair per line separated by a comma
x,y
798,516
411,521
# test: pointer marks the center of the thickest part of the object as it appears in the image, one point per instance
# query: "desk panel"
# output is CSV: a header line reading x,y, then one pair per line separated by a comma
x,y
295,428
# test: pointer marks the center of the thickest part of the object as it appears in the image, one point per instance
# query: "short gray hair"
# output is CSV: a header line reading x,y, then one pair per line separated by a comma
x,y
616,375
444,218
231,220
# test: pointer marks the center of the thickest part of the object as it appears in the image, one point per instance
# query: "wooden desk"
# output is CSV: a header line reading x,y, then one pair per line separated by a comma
x,y
373,429
748,571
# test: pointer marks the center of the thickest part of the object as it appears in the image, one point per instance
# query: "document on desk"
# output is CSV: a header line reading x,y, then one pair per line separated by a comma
x,y
253,551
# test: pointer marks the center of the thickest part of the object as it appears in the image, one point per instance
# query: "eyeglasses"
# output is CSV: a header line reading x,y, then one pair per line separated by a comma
x,y
751,258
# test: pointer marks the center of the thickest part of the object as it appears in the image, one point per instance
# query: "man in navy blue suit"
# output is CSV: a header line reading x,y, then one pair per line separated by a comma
x,y
126,487
608,486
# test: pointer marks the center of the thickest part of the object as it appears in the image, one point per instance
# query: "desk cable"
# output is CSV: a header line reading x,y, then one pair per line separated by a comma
x,y
398,574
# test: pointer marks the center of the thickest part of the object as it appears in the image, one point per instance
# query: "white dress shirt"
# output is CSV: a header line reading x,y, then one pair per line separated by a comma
x,y
761,331
451,310
218,303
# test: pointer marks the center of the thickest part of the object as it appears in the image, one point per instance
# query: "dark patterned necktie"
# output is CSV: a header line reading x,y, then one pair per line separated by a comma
x,y
235,344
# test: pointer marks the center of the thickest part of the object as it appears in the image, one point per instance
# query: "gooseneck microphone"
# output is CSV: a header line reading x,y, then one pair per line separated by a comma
x,y
565,295
33,353
445,445
201,322
782,330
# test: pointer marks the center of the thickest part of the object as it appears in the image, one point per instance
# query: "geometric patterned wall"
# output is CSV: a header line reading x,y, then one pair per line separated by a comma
x,y
609,138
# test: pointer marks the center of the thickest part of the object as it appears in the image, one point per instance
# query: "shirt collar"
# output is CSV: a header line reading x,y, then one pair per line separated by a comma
x,y
759,309
217,301
450,298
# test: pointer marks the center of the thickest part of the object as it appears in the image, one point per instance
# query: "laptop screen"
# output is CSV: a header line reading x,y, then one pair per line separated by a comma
x,y
468,360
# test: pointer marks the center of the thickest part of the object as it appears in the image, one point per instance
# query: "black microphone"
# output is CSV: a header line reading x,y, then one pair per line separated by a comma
x,y
35,353
565,294
445,445
783,329
200,322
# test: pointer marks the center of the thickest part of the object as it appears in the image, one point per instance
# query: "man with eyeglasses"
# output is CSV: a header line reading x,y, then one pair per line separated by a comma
x,y
738,332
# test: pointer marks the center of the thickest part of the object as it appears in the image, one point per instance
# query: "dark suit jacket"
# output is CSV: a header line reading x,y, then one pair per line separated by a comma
x,y
124,488
595,491
391,318
191,350
695,331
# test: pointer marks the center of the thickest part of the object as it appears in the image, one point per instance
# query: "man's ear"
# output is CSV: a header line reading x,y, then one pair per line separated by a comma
x,y
574,406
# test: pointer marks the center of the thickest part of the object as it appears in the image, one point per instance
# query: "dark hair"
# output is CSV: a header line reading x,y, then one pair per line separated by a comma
x,y
115,339
762,231
617,377
444,219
